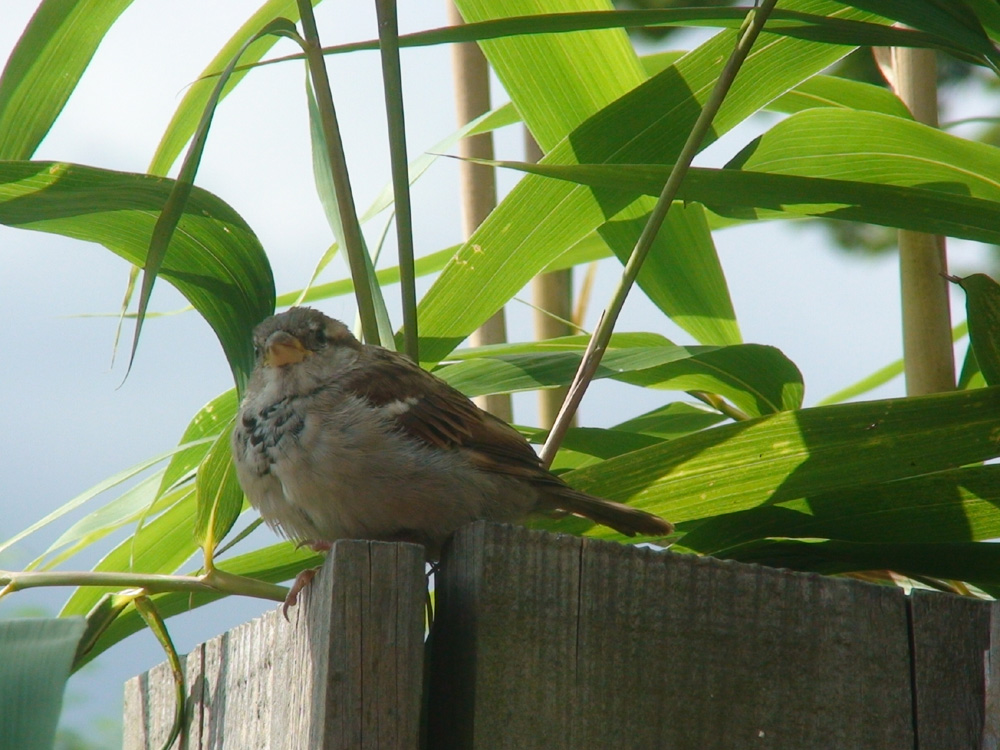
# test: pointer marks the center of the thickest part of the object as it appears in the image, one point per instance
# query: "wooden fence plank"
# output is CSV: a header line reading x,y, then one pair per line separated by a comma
x,y
557,642
500,590
346,672
644,649
953,648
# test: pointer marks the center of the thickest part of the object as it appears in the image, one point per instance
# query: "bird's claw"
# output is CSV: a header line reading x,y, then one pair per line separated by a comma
x,y
301,581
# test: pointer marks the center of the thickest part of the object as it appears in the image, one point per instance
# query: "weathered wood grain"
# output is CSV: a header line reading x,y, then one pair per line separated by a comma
x,y
954,646
546,641
557,642
346,672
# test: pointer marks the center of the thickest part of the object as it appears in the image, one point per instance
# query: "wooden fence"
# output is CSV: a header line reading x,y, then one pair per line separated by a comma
x,y
544,641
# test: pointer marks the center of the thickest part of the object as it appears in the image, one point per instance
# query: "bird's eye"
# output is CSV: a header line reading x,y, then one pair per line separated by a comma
x,y
257,351
321,338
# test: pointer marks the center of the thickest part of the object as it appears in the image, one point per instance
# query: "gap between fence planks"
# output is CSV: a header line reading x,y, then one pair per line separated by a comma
x,y
550,641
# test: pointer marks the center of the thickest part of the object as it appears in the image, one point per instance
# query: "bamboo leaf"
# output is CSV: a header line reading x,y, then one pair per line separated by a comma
x,y
149,614
220,498
748,195
961,505
646,124
162,545
330,200
973,562
876,148
37,654
76,502
798,23
798,454
758,379
832,91
180,192
214,259
50,57
951,19
672,421
209,422
982,299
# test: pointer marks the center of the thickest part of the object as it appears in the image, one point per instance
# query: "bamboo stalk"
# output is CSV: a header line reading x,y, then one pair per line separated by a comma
x,y
477,183
553,293
928,355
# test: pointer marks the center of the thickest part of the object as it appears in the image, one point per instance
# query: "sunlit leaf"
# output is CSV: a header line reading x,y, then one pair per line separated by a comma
x,y
220,498
801,453
644,122
43,70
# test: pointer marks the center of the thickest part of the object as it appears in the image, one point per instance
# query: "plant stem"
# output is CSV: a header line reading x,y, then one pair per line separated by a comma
x,y
338,168
392,79
215,581
748,34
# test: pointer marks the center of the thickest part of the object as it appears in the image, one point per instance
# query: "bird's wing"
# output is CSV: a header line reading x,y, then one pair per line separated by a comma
x,y
429,410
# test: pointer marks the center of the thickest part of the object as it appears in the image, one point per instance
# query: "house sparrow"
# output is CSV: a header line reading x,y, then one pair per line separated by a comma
x,y
337,439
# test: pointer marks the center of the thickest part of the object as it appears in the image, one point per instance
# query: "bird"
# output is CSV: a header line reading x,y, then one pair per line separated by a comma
x,y
337,439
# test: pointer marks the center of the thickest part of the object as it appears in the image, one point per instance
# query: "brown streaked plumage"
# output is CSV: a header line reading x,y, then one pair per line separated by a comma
x,y
337,439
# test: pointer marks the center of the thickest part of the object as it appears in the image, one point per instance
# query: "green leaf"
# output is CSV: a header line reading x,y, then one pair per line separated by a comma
x,y
510,373
800,24
951,19
961,505
974,562
220,498
128,507
90,494
874,148
747,195
595,441
832,91
45,66
982,299
645,124
162,545
988,13
757,379
798,454
148,612
209,422
37,654
331,202
214,258
672,421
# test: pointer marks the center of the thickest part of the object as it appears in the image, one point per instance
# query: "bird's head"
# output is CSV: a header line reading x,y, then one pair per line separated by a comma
x,y
301,339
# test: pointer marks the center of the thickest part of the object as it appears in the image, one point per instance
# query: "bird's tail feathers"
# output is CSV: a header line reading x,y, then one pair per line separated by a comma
x,y
622,518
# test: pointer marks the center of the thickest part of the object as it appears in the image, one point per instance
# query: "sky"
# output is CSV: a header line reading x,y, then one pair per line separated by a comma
x,y
73,419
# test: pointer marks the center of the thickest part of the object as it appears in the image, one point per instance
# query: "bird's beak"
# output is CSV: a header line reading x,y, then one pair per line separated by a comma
x,y
282,349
